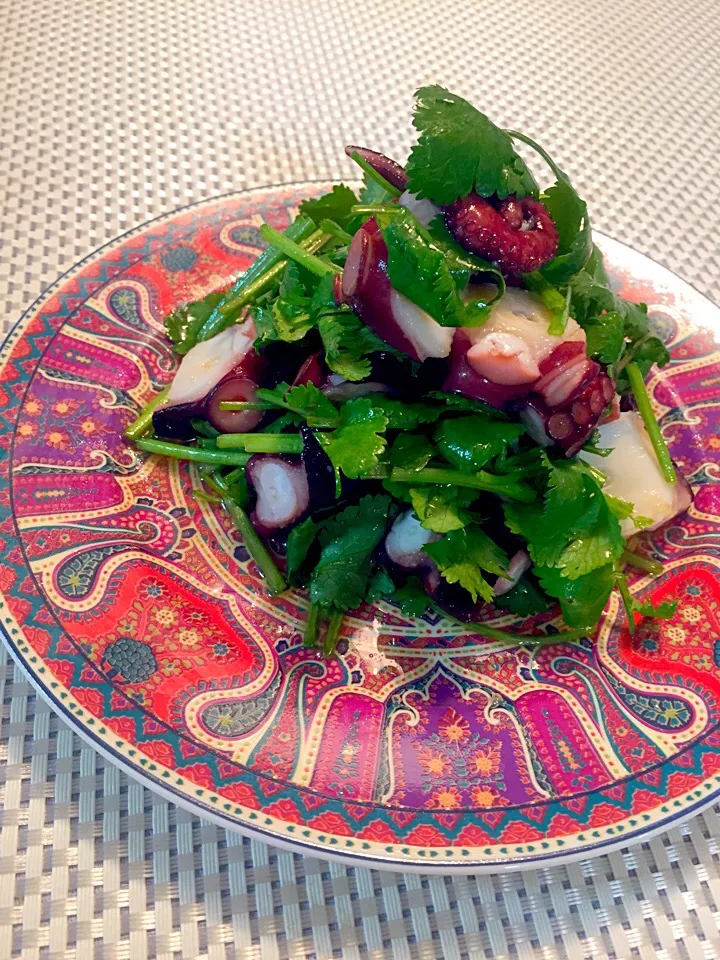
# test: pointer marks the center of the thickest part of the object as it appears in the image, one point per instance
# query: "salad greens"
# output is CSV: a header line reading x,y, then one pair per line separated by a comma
x,y
403,445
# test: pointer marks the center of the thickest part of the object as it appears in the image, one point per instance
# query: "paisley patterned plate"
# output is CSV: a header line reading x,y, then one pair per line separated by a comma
x,y
134,610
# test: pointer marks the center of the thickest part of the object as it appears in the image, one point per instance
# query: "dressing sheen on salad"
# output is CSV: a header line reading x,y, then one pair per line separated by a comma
x,y
428,393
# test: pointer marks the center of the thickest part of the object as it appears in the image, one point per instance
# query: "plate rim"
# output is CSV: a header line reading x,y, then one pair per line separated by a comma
x,y
202,808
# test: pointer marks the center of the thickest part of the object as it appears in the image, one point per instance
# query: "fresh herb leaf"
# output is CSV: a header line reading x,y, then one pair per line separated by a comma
x,y
405,416
411,598
570,215
592,302
571,218
525,599
622,509
583,599
340,578
373,191
347,343
460,403
574,528
646,353
411,451
440,509
596,267
461,150
335,206
299,541
183,323
461,555
380,586
605,336
427,274
554,300
304,400
355,446
288,316
469,443
663,611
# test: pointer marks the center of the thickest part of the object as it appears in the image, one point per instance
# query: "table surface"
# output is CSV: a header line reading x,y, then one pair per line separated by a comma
x,y
116,111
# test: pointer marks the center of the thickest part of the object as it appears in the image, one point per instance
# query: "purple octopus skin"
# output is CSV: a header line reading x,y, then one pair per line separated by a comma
x,y
318,469
517,235
388,169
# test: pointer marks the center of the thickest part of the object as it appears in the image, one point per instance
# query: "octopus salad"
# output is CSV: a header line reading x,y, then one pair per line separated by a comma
x,y
427,392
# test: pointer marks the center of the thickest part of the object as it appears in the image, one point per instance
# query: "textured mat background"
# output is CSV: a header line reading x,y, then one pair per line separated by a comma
x,y
115,111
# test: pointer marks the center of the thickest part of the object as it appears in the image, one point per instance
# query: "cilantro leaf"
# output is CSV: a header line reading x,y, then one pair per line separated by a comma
x,y
341,576
380,586
355,446
524,599
571,218
184,322
646,353
622,509
405,416
468,443
439,509
373,192
335,206
461,150
288,316
458,403
592,301
583,599
598,543
570,215
554,300
663,611
347,343
299,541
412,598
596,266
605,336
411,451
574,529
427,274
461,555
305,400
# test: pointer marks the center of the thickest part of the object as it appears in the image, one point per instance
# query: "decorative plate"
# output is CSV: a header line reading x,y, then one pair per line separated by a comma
x,y
134,610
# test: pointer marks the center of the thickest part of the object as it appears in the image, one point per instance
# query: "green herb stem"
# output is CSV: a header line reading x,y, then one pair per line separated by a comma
x,y
371,172
642,563
143,422
231,308
293,251
564,636
261,442
179,452
207,497
335,230
246,405
621,584
332,633
311,625
503,486
642,398
370,209
259,277
255,547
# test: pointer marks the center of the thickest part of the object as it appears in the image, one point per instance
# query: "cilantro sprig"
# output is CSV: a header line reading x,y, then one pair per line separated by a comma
x,y
460,150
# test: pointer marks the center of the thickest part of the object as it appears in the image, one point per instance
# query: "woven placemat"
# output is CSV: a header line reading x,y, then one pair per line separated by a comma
x,y
115,112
